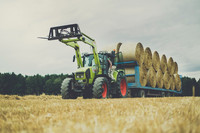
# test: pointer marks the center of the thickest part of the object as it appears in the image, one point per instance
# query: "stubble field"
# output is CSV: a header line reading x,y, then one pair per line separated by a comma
x,y
52,114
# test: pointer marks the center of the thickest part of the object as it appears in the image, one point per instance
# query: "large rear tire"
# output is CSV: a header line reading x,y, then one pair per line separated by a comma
x,y
67,89
100,88
121,87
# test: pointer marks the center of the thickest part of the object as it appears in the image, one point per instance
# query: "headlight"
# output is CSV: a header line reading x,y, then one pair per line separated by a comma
x,y
80,75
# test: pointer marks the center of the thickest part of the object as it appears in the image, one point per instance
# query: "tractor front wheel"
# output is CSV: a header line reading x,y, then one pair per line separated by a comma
x,y
67,89
100,88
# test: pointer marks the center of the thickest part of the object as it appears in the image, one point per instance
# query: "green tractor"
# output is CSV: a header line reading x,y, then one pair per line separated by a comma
x,y
97,76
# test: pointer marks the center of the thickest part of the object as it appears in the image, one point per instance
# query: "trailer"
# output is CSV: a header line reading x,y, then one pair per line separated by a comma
x,y
137,90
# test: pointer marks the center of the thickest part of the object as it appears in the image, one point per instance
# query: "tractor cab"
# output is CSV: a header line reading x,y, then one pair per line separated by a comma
x,y
106,61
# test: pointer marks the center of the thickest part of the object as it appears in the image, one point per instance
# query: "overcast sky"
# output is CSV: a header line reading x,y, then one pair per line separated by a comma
x,y
172,27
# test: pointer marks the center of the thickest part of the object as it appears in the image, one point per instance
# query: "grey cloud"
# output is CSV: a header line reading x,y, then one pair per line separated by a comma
x,y
170,27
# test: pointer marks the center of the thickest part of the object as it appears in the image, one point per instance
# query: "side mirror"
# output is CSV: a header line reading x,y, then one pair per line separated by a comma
x,y
74,57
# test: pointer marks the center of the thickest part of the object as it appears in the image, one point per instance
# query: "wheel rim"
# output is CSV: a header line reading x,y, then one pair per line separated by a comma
x,y
104,94
123,87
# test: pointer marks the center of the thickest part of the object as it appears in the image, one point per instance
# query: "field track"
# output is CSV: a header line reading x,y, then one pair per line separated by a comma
x,y
52,114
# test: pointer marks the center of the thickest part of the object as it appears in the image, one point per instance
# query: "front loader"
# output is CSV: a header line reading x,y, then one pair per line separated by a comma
x,y
96,75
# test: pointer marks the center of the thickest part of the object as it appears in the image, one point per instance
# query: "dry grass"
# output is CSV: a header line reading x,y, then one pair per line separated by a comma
x,y
52,114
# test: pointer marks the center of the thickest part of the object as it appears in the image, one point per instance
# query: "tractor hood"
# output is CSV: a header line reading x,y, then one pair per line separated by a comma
x,y
82,69
85,74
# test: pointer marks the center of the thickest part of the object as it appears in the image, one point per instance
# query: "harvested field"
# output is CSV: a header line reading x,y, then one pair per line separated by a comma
x,y
52,114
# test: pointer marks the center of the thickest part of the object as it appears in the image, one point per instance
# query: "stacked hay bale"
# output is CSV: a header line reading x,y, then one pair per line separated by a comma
x,y
133,52
154,71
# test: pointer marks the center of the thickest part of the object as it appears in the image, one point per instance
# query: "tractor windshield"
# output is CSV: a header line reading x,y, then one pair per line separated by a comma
x,y
88,60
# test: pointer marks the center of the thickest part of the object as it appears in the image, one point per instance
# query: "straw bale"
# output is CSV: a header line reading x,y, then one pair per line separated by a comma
x,y
156,61
130,70
170,66
177,82
166,78
172,82
132,52
147,58
159,79
143,75
175,68
151,77
163,63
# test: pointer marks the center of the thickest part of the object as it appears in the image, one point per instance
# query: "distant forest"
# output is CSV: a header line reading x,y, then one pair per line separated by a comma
x,y
12,84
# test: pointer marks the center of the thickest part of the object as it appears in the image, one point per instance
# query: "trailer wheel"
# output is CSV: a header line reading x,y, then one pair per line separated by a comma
x,y
100,88
141,93
67,89
163,94
168,94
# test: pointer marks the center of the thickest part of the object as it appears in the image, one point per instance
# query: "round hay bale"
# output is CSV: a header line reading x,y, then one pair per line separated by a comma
x,y
143,75
170,66
130,70
177,82
166,79
156,61
147,58
175,68
151,77
130,79
132,52
172,82
159,79
118,47
163,63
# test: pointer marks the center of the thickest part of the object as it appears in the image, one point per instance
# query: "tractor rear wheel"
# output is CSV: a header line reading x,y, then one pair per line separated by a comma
x,y
121,87
100,87
67,89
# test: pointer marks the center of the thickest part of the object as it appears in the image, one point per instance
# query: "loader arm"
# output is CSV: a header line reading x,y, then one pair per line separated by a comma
x,y
86,39
77,51
70,35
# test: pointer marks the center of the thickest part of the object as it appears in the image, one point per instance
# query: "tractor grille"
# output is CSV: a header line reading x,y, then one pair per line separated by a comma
x,y
80,75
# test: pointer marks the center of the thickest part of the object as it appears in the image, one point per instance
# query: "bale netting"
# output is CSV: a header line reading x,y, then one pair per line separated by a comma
x,y
151,77
163,63
130,70
132,52
159,79
177,82
170,66
156,61
166,78
172,82
175,68
147,58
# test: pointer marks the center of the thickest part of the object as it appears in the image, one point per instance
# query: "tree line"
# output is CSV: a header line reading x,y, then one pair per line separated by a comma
x,y
13,84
